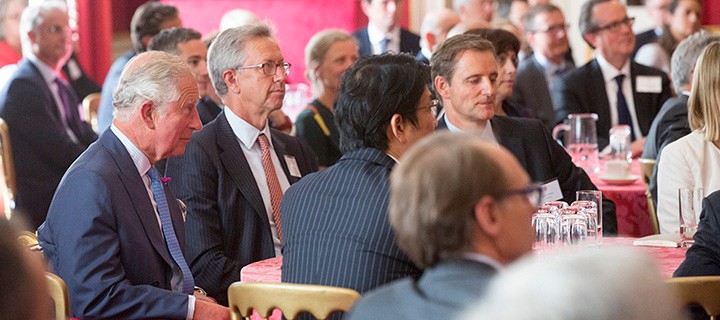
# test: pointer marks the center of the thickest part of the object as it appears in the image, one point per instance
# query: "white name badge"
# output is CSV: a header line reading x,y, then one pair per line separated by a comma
x,y
551,191
648,84
293,167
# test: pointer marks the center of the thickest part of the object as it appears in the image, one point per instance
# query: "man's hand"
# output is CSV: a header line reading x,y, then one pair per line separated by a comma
x,y
208,310
637,147
200,295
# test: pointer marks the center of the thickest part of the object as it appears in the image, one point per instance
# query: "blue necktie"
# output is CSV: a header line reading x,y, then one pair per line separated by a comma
x,y
384,45
188,285
622,107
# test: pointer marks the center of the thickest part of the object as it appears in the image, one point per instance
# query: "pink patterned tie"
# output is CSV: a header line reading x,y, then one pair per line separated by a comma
x,y
272,181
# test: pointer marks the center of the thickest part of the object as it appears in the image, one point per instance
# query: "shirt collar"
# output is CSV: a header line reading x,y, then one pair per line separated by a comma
x,y
609,72
375,35
547,64
45,70
141,161
245,132
486,135
479,257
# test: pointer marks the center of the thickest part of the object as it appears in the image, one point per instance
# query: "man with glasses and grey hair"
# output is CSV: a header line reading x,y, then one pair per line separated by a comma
x,y
235,171
42,111
617,89
461,231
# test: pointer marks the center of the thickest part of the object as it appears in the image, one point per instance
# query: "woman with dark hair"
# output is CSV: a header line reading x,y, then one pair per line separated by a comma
x,y
684,20
506,46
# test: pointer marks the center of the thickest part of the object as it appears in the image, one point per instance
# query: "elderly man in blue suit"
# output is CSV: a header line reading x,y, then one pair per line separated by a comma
x,y
42,112
383,32
462,231
336,229
114,231
235,171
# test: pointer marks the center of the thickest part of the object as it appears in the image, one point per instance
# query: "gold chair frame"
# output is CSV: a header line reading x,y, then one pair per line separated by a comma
x,y
704,290
7,159
59,294
90,104
646,168
290,298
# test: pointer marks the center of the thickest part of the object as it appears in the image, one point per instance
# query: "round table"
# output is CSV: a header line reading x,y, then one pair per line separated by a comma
x,y
667,259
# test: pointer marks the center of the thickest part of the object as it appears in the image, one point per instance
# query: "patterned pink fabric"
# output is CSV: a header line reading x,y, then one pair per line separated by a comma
x,y
631,204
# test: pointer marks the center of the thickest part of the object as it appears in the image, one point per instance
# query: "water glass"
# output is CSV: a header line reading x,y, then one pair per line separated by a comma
x,y
589,210
596,197
546,229
690,205
573,228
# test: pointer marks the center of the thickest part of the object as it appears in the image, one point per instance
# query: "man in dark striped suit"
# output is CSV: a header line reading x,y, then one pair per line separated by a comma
x,y
335,221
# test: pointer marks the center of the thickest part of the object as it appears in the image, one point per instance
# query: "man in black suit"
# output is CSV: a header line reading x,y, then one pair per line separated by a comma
x,y
464,70
671,123
462,231
546,34
658,12
188,45
433,32
618,90
234,171
42,112
335,221
383,32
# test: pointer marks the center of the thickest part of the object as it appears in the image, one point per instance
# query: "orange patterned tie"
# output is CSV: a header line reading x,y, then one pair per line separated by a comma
x,y
272,181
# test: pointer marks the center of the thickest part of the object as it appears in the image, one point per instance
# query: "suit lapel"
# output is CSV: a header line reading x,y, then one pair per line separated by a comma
x,y
506,138
641,101
46,91
280,150
234,161
135,187
601,100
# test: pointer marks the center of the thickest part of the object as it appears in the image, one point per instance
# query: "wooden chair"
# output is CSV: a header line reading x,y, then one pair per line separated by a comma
x,y
59,294
91,104
290,298
704,291
8,166
646,168
29,240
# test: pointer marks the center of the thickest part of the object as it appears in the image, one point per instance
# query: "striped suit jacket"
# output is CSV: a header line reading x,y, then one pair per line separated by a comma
x,y
227,225
336,229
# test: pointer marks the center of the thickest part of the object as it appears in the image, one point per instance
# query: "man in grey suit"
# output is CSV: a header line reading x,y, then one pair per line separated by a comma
x,y
335,221
617,89
546,34
235,171
462,230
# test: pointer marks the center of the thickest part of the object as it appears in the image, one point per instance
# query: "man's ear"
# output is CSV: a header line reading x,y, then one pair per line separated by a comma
x,y
430,38
442,87
397,128
230,78
591,38
148,114
486,216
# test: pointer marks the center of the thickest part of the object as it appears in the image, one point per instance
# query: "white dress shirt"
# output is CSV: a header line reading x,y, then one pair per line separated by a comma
x,y
247,137
486,135
49,76
609,73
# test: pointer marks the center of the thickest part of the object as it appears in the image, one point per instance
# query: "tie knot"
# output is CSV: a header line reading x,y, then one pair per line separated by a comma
x,y
153,174
619,79
263,141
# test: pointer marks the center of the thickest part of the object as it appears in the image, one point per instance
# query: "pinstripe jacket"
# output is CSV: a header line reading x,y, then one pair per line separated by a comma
x,y
227,225
336,229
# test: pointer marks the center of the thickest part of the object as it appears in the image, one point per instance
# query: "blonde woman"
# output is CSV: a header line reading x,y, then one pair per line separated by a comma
x,y
693,160
327,55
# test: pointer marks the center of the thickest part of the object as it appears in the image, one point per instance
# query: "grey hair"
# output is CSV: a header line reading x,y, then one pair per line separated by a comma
x,y
587,24
33,16
602,284
685,56
3,14
228,51
155,80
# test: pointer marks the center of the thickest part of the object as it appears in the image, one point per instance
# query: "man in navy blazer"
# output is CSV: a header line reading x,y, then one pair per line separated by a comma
x,y
114,233
335,221
462,231
383,32
464,69
47,132
593,88
235,170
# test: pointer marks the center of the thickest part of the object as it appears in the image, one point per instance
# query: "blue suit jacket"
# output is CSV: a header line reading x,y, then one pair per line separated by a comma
x,y
441,292
227,224
103,238
409,42
544,160
335,226
42,149
583,91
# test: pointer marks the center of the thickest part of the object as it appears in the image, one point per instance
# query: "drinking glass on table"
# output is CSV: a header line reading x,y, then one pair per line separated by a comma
x,y
594,196
589,210
573,226
690,205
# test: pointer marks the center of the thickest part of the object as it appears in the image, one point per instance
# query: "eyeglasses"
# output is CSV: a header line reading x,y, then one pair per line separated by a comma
x,y
553,29
434,105
269,68
617,25
533,193
56,29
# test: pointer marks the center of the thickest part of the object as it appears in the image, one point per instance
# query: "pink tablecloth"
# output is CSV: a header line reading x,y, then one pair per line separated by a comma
x,y
630,202
668,259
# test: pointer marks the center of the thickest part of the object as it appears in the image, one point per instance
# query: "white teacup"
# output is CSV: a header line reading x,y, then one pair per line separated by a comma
x,y
617,169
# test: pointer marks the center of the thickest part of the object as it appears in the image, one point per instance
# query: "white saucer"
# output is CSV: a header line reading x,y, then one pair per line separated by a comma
x,y
630,179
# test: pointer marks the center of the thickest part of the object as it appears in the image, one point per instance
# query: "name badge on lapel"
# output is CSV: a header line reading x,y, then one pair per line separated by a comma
x,y
293,166
551,191
648,84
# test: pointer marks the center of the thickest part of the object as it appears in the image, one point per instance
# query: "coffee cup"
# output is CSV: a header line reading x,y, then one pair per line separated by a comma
x,y
617,169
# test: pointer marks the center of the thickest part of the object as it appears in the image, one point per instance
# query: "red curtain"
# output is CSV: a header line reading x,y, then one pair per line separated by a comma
x,y
95,30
